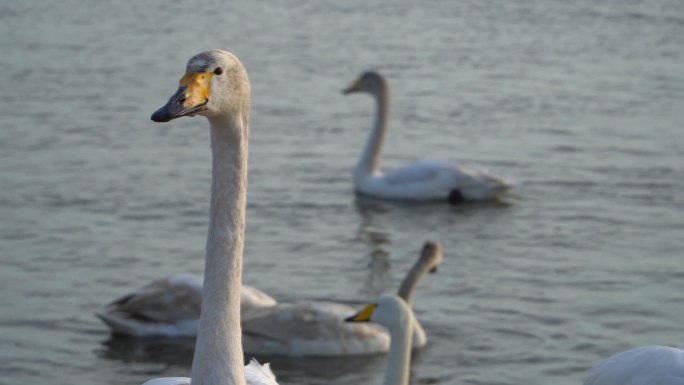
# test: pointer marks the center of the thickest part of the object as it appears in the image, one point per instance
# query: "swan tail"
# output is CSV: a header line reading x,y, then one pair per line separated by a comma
x,y
476,184
486,187
497,184
257,374
500,186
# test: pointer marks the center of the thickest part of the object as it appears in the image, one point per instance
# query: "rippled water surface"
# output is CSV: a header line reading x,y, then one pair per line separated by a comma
x,y
580,103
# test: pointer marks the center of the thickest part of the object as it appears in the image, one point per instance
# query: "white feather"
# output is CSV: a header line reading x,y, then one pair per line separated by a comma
x,y
647,365
255,374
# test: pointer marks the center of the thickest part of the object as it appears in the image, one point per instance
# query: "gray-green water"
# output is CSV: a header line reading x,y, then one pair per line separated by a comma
x,y
581,103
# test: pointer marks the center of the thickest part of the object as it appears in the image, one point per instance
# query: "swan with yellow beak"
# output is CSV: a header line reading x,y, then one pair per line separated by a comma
x,y
216,86
392,312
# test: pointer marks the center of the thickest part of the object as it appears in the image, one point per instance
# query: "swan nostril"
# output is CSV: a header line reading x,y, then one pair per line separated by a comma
x,y
181,100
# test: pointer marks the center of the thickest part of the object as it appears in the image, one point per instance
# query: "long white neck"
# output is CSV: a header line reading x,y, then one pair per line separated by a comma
x,y
218,356
408,286
399,359
369,163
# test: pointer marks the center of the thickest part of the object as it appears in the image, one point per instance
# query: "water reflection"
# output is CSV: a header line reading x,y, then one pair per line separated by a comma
x,y
371,232
368,231
175,352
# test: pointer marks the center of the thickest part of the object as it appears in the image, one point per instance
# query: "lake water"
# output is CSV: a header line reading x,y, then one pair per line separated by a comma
x,y
580,103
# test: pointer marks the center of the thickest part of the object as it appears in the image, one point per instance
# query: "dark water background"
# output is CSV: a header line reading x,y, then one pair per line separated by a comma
x,y
581,103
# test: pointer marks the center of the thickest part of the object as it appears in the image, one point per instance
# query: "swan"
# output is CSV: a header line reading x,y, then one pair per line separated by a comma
x,y
420,181
169,307
215,85
392,312
315,328
646,365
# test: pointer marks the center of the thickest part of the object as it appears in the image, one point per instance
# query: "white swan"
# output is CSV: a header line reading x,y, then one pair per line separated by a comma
x,y
423,180
315,328
215,85
396,315
169,307
646,365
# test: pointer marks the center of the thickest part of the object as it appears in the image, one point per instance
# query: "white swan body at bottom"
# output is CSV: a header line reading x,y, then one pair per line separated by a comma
x,y
646,365
424,180
255,374
169,307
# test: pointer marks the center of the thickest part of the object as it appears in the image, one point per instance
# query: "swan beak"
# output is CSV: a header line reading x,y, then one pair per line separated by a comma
x,y
191,97
355,87
364,315
433,270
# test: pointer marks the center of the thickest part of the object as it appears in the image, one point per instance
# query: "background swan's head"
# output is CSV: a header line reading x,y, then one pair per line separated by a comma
x,y
215,85
388,310
431,255
370,82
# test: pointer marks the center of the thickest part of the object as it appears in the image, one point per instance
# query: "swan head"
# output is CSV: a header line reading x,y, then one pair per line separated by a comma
x,y
431,256
215,85
370,82
388,310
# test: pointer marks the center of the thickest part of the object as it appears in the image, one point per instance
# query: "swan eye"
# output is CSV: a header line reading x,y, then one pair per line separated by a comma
x,y
218,71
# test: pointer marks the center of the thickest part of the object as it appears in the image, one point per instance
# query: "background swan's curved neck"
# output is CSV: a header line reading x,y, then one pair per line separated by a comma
x,y
370,159
408,285
406,289
218,356
399,358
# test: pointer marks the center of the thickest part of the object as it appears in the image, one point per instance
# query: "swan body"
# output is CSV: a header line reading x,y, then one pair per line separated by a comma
x,y
432,180
316,328
420,181
215,85
392,312
310,328
169,307
646,365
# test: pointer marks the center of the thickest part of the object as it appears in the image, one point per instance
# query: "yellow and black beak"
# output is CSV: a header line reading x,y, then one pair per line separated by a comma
x,y
364,315
354,87
191,97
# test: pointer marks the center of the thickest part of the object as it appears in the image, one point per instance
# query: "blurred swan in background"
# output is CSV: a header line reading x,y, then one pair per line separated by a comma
x,y
423,180
395,314
316,328
646,365
215,85
169,307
